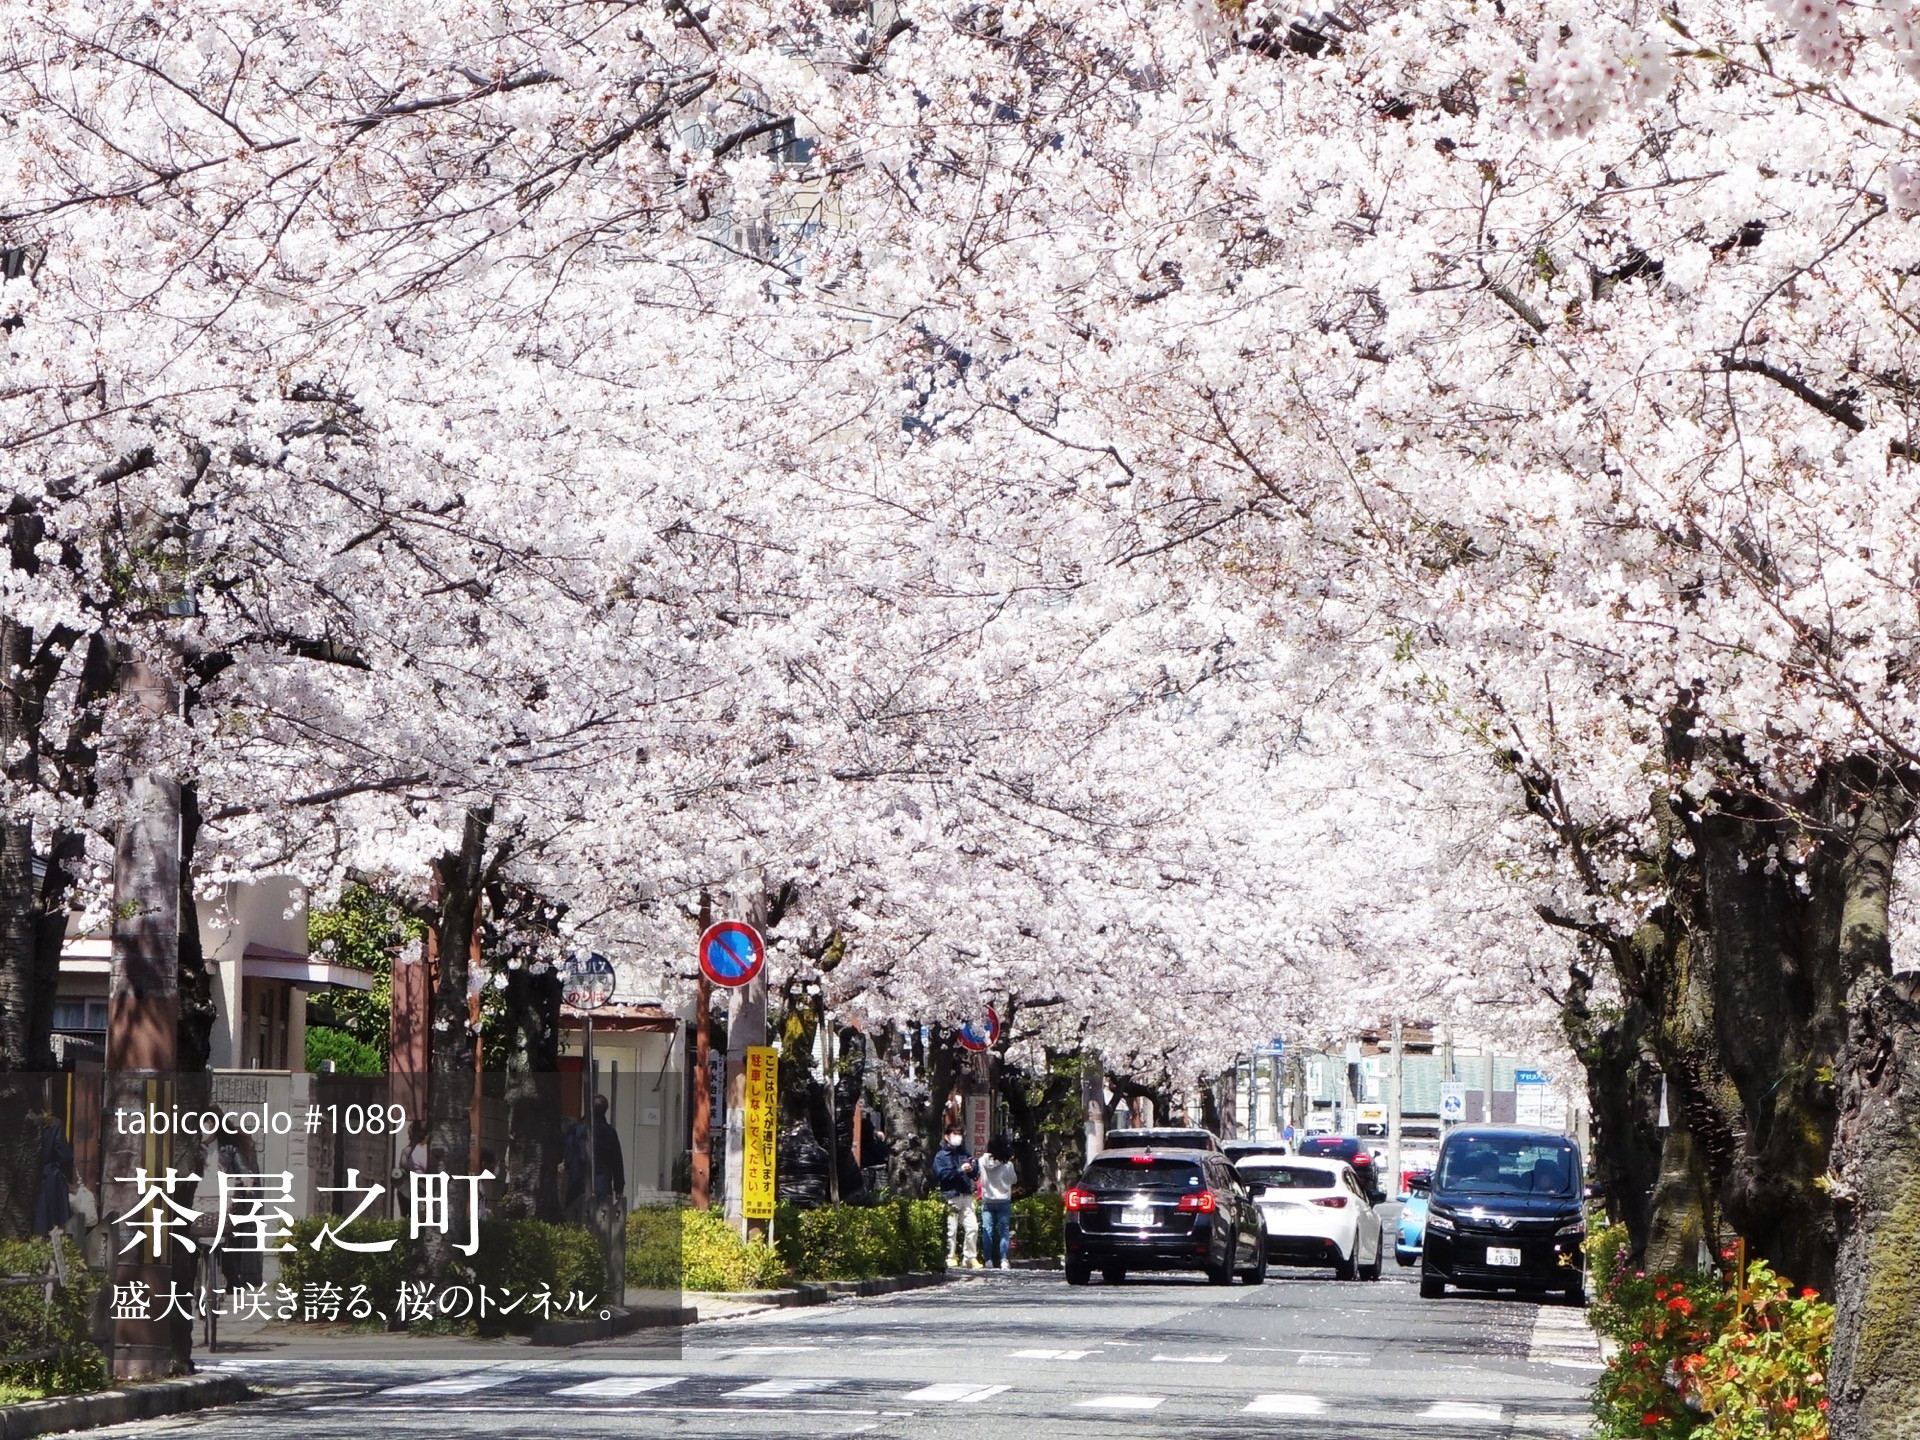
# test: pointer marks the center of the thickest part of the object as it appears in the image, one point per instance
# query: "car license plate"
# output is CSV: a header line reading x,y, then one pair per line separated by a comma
x,y
1496,1255
1141,1216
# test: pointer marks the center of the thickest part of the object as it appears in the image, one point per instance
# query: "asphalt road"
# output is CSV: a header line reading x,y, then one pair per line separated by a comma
x,y
1008,1355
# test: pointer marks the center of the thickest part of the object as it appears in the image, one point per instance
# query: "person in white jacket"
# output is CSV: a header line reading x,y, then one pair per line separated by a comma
x,y
996,1202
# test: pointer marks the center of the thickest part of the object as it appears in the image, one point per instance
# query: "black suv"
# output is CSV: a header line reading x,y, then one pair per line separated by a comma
x,y
1163,1210
1505,1214
1345,1147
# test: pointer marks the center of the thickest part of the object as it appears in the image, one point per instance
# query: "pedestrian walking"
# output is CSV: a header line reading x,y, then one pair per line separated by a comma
x,y
996,1202
955,1175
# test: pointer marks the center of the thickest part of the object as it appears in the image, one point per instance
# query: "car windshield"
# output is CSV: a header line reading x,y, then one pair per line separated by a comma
x,y
1508,1165
1287,1177
1142,1173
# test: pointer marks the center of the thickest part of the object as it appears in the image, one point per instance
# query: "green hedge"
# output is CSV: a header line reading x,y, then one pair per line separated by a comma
x,y
862,1242
1039,1228
669,1248
28,1322
515,1256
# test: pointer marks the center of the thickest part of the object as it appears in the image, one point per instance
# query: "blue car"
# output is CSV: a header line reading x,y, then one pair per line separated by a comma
x,y
1411,1235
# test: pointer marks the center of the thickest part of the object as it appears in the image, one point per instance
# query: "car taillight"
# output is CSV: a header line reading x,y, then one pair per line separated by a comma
x,y
1145,1159
1363,1159
1078,1199
1333,1202
1203,1202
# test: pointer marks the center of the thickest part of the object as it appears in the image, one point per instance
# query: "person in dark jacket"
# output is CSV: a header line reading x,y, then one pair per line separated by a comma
x,y
956,1175
609,1165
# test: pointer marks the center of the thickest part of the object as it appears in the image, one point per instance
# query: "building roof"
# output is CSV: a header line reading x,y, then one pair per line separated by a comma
x,y
621,1017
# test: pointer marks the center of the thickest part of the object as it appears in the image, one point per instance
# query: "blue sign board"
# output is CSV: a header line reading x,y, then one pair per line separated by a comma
x,y
1529,1077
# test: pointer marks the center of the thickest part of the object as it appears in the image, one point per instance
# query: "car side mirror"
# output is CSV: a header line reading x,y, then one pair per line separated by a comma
x,y
1594,1193
1419,1187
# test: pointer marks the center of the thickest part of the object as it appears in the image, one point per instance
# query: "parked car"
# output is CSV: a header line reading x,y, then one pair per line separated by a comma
x,y
1238,1150
1317,1213
1162,1137
1164,1210
1411,1232
1505,1214
1414,1162
1355,1153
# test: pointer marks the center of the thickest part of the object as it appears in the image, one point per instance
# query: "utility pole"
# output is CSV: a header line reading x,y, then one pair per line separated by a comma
x,y
701,1171
1394,1070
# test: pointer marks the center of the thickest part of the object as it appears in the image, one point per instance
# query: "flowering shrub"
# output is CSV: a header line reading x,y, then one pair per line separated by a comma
x,y
1765,1376
1694,1361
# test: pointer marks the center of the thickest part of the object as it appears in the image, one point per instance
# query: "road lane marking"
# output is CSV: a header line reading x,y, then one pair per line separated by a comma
x,y
1286,1405
1333,1359
1190,1359
619,1387
953,1393
1050,1354
776,1389
1121,1402
1462,1410
460,1385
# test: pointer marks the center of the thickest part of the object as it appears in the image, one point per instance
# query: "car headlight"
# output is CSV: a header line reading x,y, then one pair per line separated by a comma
x,y
1572,1229
1439,1220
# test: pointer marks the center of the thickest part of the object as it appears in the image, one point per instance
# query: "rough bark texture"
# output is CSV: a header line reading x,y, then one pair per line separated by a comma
x,y
1874,1380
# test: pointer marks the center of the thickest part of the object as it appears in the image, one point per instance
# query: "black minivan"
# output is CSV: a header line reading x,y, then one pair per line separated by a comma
x,y
1163,1210
1505,1213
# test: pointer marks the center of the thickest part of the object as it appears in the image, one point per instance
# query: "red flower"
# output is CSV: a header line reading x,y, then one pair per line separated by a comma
x,y
1809,1293
1650,1418
1680,1304
1792,1402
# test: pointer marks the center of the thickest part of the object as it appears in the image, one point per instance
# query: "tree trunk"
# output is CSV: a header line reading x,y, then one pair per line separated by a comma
x,y
533,1094
1623,1098
1874,1379
462,875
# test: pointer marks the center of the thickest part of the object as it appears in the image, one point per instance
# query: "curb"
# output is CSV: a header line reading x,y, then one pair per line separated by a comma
x,y
115,1407
621,1321
827,1291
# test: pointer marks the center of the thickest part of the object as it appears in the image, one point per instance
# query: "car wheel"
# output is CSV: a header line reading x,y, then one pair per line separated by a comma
x,y
1258,1274
1114,1275
1432,1287
1406,1258
1372,1272
1221,1274
1346,1269
1078,1273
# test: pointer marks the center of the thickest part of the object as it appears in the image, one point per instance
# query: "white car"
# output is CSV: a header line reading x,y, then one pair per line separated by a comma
x,y
1316,1213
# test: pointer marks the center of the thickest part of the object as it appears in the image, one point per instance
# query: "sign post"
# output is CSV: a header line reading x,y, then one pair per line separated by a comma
x,y
759,1166
587,985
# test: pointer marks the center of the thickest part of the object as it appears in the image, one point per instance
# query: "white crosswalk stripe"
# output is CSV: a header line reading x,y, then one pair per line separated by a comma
x,y
1190,1359
1286,1405
1051,1354
1462,1410
620,1387
775,1389
1564,1338
1121,1402
952,1393
458,1385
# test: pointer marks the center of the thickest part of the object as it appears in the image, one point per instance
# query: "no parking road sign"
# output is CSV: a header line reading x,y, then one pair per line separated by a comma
x,y
980,1034
732,953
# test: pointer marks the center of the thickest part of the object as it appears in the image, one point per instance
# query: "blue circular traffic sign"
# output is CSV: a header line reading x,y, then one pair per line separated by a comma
x,y
980,1034
732,953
